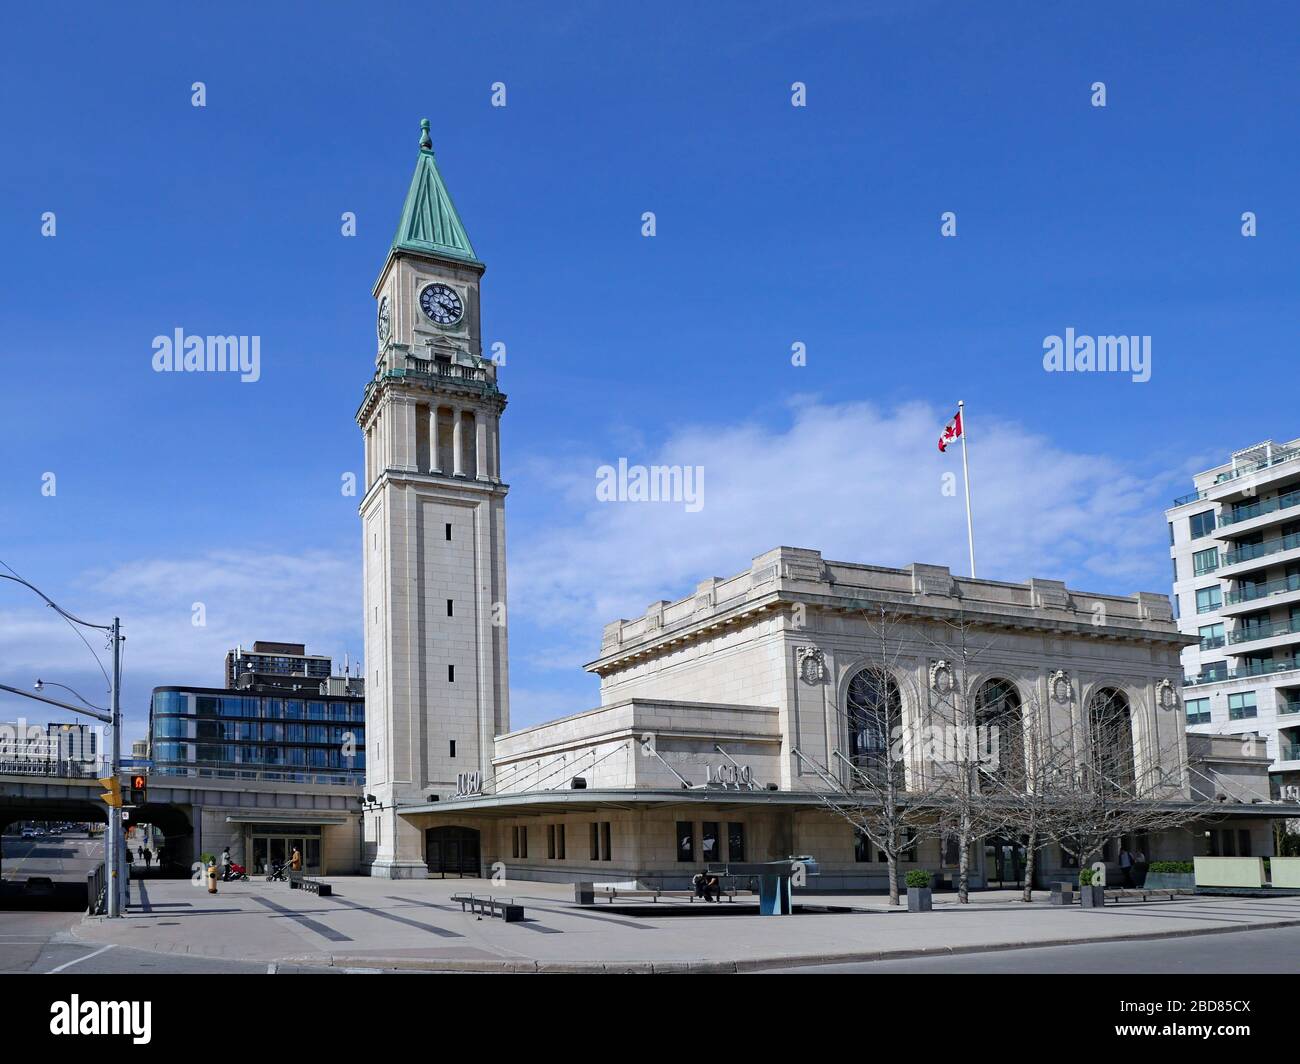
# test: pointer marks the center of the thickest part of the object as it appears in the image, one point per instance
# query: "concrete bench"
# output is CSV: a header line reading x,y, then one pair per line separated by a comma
x,y
508,911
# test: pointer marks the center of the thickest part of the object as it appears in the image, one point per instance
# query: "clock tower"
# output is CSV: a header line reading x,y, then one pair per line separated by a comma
x,y
433,530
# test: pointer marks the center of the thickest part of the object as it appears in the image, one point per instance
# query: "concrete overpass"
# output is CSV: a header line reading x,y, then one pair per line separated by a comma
x,y
202,815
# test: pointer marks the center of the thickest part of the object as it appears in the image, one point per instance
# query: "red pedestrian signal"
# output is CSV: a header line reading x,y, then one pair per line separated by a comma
x,y
139,789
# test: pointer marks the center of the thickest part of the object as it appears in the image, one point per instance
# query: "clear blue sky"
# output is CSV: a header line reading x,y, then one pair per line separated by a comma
x,y
776,224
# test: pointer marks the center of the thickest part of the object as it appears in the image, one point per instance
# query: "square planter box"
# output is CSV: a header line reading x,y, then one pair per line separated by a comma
x,y
1170,881
1092,897
1062,894
918,900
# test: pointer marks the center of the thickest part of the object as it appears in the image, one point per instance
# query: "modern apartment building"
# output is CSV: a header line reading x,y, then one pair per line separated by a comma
x,y
275,665
281,718
1235,545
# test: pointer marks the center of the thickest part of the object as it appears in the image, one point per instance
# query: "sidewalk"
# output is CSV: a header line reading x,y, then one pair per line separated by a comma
x,y
413,924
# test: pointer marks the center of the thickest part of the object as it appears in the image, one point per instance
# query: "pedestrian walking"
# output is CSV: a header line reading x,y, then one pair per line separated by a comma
x,y
295,861
1126,867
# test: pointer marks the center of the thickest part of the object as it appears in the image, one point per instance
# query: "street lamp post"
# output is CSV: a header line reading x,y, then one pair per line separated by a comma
x,y
117,891
114,863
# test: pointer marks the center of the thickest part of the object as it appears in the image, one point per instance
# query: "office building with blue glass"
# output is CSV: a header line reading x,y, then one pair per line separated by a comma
x,y
258,734
291,735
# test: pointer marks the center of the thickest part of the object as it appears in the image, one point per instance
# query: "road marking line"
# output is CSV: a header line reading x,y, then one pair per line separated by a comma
x,y
87,957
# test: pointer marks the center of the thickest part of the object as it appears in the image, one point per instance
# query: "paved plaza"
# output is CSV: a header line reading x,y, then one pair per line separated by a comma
x,y
414,924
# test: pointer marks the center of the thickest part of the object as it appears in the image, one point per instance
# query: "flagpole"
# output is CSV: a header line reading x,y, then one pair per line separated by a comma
x,y
965,473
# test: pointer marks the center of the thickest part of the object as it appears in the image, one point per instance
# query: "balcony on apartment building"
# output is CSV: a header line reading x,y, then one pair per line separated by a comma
x,y
1263,513
1262,465
1257,596
1251,557
1264,635
1218,672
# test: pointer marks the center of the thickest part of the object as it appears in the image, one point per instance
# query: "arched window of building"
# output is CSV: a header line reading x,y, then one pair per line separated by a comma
x,y
1110,720
1000,735
875,710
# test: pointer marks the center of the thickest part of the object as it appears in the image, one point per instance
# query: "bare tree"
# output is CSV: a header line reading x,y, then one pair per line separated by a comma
x,y
975,751
869,785
1032,802
1094,792
987,761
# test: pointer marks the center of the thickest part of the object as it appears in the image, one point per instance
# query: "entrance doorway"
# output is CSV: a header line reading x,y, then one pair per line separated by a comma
x,y
1004,863
274,845
452,851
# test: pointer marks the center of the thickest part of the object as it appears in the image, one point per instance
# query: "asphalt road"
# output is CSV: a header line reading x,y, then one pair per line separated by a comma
x,y
63,858
1238,952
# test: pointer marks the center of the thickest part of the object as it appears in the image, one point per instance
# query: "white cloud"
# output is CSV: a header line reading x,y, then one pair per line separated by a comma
x,y
314,597
856,480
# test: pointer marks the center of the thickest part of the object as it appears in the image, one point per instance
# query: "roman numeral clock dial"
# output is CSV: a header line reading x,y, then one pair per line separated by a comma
x,y
441,304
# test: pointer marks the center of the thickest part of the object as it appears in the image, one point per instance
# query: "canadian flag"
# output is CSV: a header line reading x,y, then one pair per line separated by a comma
x,y
951,432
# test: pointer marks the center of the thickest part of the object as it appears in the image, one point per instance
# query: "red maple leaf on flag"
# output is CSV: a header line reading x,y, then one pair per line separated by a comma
x,y
951,432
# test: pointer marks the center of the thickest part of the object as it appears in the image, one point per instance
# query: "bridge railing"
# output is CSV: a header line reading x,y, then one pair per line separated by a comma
x,y
67,768
95,900
272,775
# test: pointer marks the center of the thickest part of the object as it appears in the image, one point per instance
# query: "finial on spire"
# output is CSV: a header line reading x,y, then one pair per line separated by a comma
x,y
426,142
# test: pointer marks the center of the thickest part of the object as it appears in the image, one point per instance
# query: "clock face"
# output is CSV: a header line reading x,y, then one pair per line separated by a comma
x,y
441,304
383,323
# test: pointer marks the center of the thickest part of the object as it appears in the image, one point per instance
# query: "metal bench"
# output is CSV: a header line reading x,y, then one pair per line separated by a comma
x,y
727,893
654,893
507,910
297,881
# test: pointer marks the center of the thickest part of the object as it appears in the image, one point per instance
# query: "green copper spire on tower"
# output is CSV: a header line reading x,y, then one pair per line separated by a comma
x,y
430,224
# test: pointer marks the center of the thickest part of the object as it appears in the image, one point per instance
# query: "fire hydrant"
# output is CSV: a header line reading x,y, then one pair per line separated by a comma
x,y
212,877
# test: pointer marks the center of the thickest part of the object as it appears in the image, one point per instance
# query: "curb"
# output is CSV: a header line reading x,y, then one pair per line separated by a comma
x,y
749,964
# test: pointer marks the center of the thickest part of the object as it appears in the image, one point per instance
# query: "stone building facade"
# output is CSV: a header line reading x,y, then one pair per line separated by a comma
x,y
725,715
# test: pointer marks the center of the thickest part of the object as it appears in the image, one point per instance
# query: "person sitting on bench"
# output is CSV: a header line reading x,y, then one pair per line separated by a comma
x,y
699,882
712,889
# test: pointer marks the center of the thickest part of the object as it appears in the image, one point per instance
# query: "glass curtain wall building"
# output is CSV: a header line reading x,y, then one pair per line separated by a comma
x,y
262,735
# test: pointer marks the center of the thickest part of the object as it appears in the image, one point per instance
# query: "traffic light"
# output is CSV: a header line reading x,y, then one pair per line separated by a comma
x,y
112,791
139,785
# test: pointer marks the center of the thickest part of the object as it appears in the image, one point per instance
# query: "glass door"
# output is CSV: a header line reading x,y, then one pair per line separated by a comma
x,y
270,851
1003,863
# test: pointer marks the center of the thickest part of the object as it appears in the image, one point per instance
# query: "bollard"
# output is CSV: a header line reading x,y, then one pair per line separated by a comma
x,y
212,877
